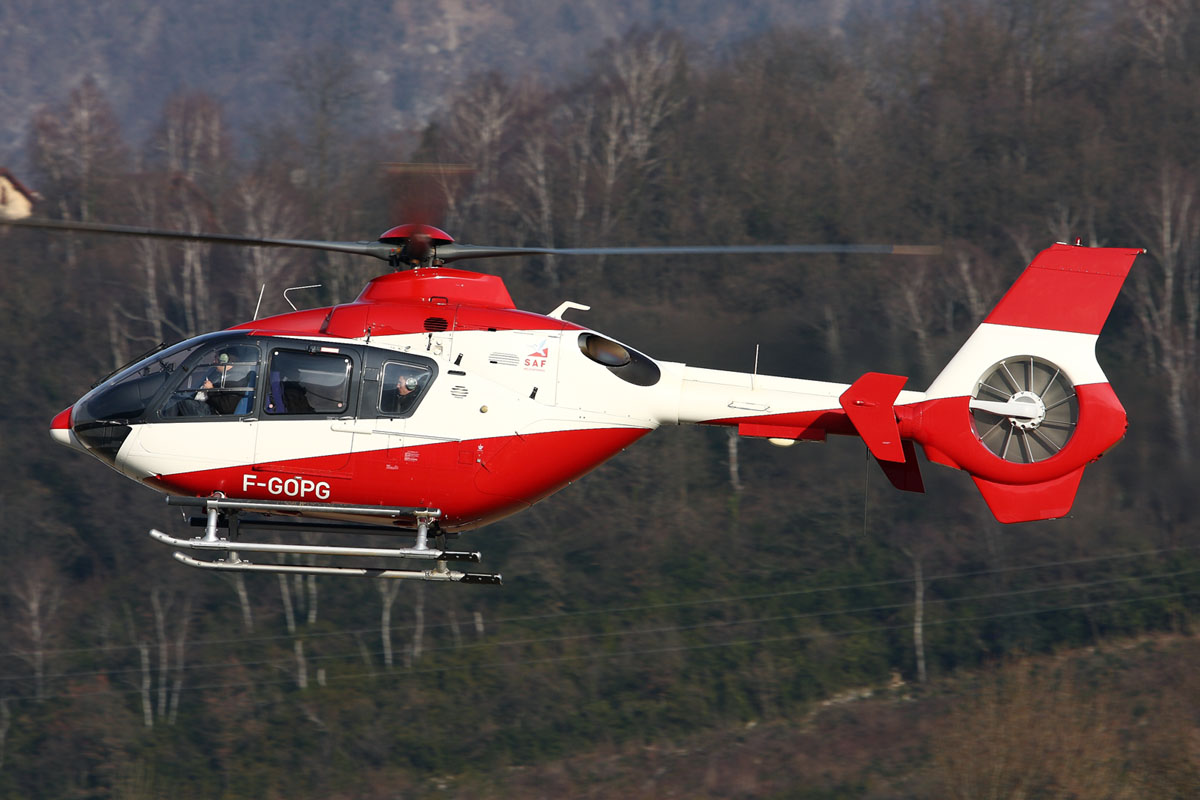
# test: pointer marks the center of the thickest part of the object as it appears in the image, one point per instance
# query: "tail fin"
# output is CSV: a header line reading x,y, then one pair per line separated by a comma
x,y
1024,406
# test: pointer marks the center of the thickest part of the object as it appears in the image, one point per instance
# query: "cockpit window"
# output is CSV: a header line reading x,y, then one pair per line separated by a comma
x,y
628,365
307,383
127,396
401,387
219,382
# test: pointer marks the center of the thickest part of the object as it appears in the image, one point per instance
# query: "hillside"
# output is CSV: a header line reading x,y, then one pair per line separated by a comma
x,y
408,56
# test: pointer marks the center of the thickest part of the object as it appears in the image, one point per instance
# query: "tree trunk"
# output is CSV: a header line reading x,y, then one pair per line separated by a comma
x,y
180,644
735,480
387,593
301,664
239,584
147,704
289,615
5,721
919,617
312,599
164,660
419,624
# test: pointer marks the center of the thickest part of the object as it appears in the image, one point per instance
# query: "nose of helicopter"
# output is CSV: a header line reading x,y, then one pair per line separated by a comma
x,y
61,432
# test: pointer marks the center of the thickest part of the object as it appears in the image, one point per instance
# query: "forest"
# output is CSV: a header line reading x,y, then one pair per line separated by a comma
x,y
700,616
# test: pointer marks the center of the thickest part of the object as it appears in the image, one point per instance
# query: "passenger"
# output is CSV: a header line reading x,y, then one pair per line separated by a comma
x,y
294,394
398,398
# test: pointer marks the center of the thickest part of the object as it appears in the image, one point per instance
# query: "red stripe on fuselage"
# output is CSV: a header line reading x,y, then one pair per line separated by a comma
x,y
473,482
792,424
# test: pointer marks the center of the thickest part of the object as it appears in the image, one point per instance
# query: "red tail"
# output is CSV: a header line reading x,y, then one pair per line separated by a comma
x,y
1024,406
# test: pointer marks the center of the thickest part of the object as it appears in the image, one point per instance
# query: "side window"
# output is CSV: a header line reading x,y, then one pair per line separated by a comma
x,y
307,383
401,387
221,382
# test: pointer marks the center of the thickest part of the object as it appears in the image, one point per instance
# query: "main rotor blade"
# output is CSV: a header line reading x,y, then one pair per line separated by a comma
x,y
376,249
456,252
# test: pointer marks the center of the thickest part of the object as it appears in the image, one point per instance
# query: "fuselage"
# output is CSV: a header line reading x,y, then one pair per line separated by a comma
x,y
508,406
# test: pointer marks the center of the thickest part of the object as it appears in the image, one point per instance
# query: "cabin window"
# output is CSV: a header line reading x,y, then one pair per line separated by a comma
x,y
401,387
307,383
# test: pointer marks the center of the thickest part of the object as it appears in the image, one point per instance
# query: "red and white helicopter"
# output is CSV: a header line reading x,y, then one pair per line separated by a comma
x,y
431,405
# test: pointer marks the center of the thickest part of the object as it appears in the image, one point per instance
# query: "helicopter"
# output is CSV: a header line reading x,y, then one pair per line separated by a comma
x,y
431,405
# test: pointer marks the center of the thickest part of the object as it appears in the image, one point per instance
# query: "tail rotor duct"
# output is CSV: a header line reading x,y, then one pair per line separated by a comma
x,y
1024,409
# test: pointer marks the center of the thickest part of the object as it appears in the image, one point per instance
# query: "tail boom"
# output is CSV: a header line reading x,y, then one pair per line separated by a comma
x,y
1023,407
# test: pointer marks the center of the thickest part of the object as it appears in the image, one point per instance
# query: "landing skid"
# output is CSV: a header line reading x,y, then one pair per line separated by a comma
x,y
224,512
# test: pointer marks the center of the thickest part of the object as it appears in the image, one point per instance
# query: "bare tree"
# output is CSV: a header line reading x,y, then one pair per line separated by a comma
x,y
285,595
266,209
640,96
190,210
1167,295
917,559
477,133
168,610
388,590
78,151
238,580
192,138
1159,31
36,589
536,208
418,640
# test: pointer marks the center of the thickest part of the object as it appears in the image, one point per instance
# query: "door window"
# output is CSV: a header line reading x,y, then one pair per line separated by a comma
x,y
307,383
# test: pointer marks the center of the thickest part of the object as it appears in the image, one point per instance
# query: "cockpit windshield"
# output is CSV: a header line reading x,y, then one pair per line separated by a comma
x,y
127,396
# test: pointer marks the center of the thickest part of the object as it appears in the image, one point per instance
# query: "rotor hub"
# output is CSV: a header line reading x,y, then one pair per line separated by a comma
x,y
1029,423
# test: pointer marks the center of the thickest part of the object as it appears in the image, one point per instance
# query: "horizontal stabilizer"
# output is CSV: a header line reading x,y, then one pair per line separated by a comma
x,y
869,404
1025,503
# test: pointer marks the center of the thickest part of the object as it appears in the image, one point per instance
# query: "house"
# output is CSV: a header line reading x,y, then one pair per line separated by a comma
x,y
16,201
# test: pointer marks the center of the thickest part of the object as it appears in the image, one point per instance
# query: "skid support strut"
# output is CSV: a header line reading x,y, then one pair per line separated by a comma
x,y
220,510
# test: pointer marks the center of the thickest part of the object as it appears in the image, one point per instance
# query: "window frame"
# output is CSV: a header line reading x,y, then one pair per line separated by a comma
x,y
422,389
197,360
345,353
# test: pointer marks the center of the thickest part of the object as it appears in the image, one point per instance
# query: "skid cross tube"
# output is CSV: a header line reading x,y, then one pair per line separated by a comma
x,y
224,512
308,525
273,506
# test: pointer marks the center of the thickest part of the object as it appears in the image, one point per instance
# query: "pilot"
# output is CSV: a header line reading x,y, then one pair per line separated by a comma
x,y
217,376
226,390
398,398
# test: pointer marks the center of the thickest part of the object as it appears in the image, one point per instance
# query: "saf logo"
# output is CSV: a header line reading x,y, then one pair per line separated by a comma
x,y
537,359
